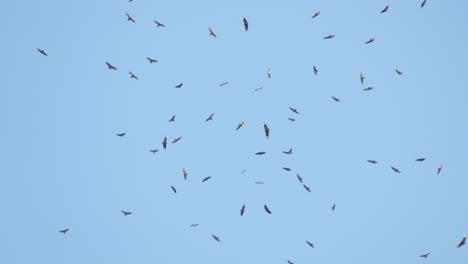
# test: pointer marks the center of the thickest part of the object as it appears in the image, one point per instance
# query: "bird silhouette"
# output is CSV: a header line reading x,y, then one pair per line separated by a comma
x,y
395,169
260,153
315,70
246,24
269,73
64,231
176,140
154,151
216,238
172,119
398,72
211,32
462,242
369,88
286,169
125,213
333,207
384,10
299,178
210,117
266,209
173,189
206,178
242,210
240,124
179,85
336,99
316,14
120,134
306,187
294,110
266,129
164,142
310,244
289,152
439,168
370,41
421,159
110,66
158,24
361,76
129,18
42,52
425,255
423,3
184,172
151,60
132,76
372,161
329,37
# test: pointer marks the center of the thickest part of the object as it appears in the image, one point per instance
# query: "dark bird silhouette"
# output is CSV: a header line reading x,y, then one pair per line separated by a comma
x,y
289,152
125,213
260,153
223,83
398,72
129,18
240,125
176,140
110,66
425,255
210,117
462,242
158,24
315,70
286,169
369,88
294,110
244,170
361,76
333,207
299,178
336,99
384,10
164,142
258,89
206,178
316,14
258,182
439,168
242,210
64,231
132,76
306,187
216,238
173,189
372,161
193,225
395,169
154,151
421,159
290,262
423,3
329,37
370,41
211,32
42,52
120,134
310,244
269,73
151,60
267,209
179,85
185,173
291,119
246,24
172,119
266,129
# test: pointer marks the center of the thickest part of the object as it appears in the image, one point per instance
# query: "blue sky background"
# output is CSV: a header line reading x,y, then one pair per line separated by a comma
x,y
64,167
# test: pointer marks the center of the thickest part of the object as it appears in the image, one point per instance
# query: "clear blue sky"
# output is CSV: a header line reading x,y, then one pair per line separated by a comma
x,y
64,167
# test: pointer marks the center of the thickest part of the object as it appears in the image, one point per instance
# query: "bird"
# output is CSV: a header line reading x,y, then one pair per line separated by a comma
x,y
258,182
172,119
120,134
179,85
425,255
125,213
260,153
211,32
206,178
398,72
223,83
129,18
64,231
242,210
110,66
216,238
423,3
290,262
173,189
176,140
244,170
294,110
291,119
361,76
329,37
370,41
42,52
267,209
246,24
210,117
439,168
184,172
384,10
369,88
421,159
151,60
286,169
258,89
299,178
315,70
132,76
306,187
266,129
336,99
395,169
310,244
154,151
158,24
372,161
269,73
164,142
240,125
316,14
333,207
289,152
193,225
462,242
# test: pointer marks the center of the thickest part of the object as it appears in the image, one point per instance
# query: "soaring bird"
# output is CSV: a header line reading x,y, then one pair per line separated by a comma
x,y
258,89
184,172
299,178
329,37
336,99
176,140
206,178
164,142
291,119
440,168
395,169
315,70
289,152
173,189
294,110
129,18
398,72
258,182
369,41
211,32
421,159
151,60
372,161
290,262
246,24
172,119
64,231
223,83
193,225
361,76
242,210
125,213
316,14
462,242
333,207
154,151
120,134
266,209
310,244
425,255
132,76
384,10
216,238
266,129
269,73
286,169
42,52
179,85
423,3
260,153
110,66
210,117
369,88
306,187
158,24
240,125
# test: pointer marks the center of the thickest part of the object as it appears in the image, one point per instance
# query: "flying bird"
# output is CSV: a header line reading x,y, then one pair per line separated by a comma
x,y
154,151
193,225
384,10
306,187
132,76
440,168
172,119
372,161
398,72
258,182
395,169
266,129
246,24
185,173
129,18
173,189
299,178
110,66
291,119
223,83
176,140
316,14
164,142
211,32
369,88
244,170
310,244
206,178
64,231
336,99
120,134
329,37
151,60
294,110
158,24
369,41
240,125
125,213
266,209
242,210
290,262
42,52
269,73
179,85
361,76
258,89
425,255
333,207
260,153
216,238
210,117
421,159
289,152
286,169
315,70
423,3
462,242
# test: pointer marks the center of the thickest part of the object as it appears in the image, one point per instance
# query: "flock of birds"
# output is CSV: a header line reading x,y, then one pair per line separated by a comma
x,y
266,129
